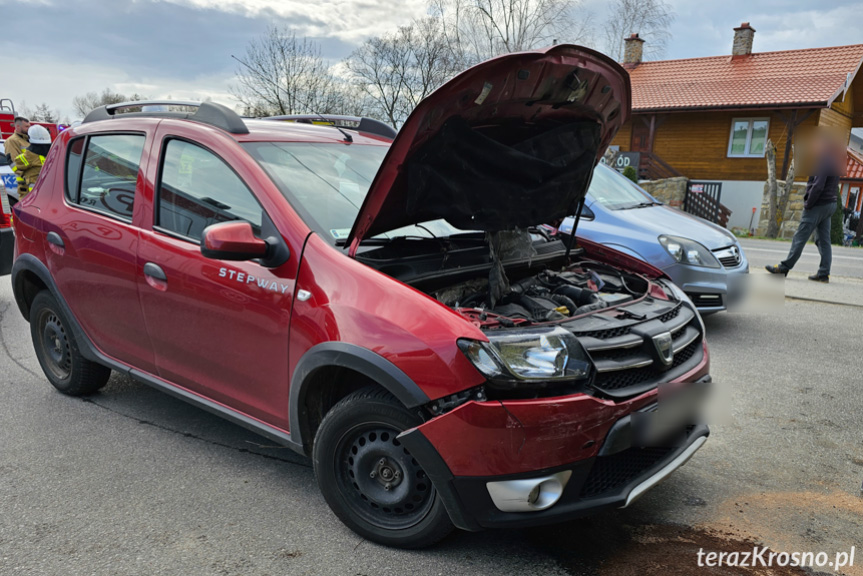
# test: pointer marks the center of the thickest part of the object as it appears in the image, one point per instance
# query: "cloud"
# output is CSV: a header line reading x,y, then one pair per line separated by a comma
x,y
706,28
350,21
184,47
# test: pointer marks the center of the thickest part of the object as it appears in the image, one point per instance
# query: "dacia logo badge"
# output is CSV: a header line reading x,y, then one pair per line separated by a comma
x,y
664,348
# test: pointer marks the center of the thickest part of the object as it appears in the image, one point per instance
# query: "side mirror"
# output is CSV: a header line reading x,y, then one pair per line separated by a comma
x,y
4,160
232,241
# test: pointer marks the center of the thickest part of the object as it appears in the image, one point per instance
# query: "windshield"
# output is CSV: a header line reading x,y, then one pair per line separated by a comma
x,y
327,182
616,192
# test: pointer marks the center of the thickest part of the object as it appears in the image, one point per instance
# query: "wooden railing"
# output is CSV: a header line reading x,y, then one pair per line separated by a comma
x,y
652,167
707,207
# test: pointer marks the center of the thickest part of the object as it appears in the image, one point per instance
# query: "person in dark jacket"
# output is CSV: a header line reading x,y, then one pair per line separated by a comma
x,y
819,203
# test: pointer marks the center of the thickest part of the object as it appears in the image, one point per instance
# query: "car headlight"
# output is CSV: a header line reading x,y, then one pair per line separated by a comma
x,y
688,251
528,355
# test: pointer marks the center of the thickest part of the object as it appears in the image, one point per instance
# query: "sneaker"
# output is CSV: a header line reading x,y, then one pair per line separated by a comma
x,y
776,270
817,278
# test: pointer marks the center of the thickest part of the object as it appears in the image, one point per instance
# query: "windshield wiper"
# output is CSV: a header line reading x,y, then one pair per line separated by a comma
x,y
438,239
382,241
640,205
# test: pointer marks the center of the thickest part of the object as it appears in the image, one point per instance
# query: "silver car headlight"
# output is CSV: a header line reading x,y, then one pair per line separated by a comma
x,y
690,252
528,355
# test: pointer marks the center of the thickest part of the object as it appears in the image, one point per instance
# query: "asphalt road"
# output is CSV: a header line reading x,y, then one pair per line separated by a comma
x,y
133,482
847,262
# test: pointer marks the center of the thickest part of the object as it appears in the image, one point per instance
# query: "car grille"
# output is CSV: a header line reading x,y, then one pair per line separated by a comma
x,y
611,473
628,378
729,257
606,334
628,364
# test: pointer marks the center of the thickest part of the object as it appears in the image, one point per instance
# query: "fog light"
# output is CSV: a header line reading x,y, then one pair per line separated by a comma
x,y
529,494
534,495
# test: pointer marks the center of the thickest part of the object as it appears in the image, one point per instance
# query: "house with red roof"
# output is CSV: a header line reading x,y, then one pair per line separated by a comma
x,y
709,118
851,184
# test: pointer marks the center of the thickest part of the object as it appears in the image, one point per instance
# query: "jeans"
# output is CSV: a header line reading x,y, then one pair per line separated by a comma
x,y
816,220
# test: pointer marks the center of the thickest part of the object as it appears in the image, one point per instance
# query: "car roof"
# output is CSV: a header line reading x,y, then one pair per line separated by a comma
x,y
279,131
258,130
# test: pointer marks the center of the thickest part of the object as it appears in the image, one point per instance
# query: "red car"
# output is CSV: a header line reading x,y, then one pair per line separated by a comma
x,y
387,307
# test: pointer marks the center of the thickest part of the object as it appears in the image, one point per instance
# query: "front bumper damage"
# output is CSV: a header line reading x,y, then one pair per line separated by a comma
x,y
575,447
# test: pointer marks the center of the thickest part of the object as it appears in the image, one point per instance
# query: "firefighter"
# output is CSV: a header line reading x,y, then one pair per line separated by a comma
x,y
29,163
18,140
16,144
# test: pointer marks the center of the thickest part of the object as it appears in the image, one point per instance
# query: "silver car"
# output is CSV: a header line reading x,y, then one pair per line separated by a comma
x,y
704,259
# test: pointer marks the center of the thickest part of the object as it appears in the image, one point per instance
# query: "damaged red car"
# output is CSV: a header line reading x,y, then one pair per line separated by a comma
x,y
391,308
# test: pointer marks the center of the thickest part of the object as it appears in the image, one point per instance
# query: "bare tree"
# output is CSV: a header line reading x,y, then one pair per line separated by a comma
x,y
651,19
283,74
476,30
396,71
84,103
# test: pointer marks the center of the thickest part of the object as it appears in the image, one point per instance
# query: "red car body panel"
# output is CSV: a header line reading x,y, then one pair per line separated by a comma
x,y
97,268
354,303
515,436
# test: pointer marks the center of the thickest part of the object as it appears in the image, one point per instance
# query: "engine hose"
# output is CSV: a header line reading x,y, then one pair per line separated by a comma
x,y
581,296
564,301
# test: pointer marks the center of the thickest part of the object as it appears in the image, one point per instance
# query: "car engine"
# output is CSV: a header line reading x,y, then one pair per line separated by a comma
x,y
548,296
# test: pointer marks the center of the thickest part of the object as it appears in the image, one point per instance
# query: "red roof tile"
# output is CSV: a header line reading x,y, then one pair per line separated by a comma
x,y
854,167
810,76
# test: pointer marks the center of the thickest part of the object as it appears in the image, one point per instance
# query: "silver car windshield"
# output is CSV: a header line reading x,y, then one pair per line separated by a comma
x,y
616,192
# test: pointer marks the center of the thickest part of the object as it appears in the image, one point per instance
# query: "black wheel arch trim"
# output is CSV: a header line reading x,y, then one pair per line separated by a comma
x,y
441,476
29,263
356,358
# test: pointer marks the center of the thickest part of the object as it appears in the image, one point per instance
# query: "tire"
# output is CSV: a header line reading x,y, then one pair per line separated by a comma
x,y
58,352
356,455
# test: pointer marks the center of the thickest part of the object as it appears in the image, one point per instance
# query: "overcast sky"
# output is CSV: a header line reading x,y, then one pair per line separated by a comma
x,y
52,50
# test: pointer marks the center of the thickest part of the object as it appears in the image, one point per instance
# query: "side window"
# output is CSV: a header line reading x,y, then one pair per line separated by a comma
x,y
197,189
73,168
109,173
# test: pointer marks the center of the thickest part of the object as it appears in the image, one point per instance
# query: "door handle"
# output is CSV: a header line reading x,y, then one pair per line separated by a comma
x,y
155,271
55,239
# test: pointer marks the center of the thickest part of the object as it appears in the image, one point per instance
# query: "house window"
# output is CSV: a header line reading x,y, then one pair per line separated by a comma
x,y
748,137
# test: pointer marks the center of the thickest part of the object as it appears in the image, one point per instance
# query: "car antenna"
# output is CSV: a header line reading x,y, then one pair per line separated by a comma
x,y
348,137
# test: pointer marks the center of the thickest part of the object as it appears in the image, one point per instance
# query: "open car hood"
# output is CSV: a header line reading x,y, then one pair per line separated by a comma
x,y
509,143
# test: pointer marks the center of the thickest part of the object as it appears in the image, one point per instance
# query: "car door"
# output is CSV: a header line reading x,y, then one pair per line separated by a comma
x,y
93,241
219,329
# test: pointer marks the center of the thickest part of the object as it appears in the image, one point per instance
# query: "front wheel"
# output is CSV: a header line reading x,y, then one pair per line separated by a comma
x,y
58,352
370,480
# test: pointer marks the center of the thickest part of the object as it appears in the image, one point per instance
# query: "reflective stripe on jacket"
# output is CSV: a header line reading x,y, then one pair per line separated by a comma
x,y
28,165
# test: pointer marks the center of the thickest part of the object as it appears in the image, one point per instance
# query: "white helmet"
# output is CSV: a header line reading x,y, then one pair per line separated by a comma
x,y
39,135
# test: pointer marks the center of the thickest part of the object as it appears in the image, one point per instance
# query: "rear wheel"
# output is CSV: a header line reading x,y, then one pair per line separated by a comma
x,y
58,352
370,480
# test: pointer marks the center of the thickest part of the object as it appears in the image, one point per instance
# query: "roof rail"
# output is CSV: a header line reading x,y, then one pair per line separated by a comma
x,y
207,113
357,123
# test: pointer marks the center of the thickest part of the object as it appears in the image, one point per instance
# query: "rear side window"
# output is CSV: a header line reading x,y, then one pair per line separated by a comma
x,y
73,168
108,174
197,188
